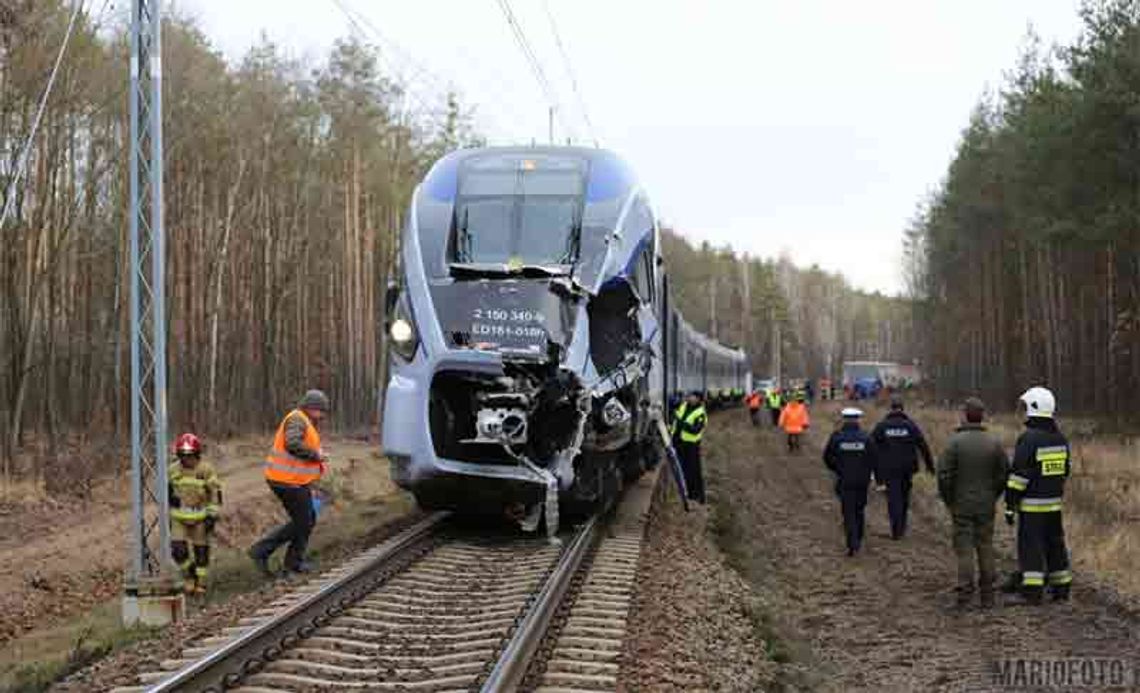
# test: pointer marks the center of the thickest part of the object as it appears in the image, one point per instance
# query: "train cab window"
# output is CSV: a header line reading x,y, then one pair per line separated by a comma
x,y
642,271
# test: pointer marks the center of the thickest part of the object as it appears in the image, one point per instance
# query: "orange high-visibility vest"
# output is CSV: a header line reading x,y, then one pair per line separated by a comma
x,y
754,400
794,418
283,468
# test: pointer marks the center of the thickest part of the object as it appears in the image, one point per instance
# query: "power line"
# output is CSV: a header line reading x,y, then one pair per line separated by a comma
x,y
532,59
22,162
359,22
570,72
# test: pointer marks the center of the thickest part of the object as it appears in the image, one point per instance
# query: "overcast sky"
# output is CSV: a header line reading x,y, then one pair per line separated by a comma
x,y
813,127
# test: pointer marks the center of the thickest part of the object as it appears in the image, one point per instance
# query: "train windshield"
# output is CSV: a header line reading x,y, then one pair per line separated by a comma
x,y
514,213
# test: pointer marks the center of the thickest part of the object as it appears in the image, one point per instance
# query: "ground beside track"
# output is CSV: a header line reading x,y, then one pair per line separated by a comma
x,y
61,577
883,620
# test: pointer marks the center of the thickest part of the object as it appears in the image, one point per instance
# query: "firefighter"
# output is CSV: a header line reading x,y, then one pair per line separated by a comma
x,y
850,455
754,401
195,495
1041,464
774,405
795,420
971,476
899,442
688,429
293,469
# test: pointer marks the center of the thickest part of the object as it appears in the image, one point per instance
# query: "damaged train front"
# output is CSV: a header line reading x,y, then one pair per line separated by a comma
x,y
493,392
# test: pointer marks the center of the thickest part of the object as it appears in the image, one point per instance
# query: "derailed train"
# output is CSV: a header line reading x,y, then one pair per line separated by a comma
x,y
534,350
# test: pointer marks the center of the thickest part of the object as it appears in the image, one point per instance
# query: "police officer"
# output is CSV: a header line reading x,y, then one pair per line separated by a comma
x,y
1041,464
688,427
899,441
850,455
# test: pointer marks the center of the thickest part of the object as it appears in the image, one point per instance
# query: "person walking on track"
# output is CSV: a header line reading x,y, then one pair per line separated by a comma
x,y
850,455
688,429
899,442
794,420
971,476
1041,464
754,401
774,405
293,467
195,494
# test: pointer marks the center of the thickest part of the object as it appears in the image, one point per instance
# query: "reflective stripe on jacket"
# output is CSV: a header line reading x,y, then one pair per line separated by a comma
x,y
690,424
1042,461
195,493
285,469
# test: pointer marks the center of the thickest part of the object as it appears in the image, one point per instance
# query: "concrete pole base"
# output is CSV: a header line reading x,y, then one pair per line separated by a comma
x,y
153,603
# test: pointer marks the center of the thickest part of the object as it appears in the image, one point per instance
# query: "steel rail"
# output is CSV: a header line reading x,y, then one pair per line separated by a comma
x,y
244,656
515,657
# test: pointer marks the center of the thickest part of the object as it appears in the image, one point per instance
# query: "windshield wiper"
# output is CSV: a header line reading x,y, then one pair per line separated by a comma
x,y
504,270
463,241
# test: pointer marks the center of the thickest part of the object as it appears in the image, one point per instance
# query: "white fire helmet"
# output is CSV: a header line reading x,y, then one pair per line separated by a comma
x,y
1039,402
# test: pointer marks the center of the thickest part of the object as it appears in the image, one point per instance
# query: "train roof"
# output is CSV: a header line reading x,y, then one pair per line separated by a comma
x,y
708,343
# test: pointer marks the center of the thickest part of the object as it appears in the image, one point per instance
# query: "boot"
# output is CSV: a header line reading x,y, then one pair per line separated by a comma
x,y
1012,584
964,597
262,564
987,597
1060,593
1028,597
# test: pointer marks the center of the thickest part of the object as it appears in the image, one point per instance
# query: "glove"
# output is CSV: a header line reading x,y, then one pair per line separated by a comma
x,y
210,522
1009,517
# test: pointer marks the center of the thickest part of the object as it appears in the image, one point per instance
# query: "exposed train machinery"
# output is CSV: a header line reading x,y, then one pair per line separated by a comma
x,y
534,348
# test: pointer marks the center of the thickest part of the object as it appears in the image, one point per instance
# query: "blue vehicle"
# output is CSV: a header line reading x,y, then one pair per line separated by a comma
x,y
529,338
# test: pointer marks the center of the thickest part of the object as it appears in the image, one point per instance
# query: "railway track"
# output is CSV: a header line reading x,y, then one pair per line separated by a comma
x,y
436,608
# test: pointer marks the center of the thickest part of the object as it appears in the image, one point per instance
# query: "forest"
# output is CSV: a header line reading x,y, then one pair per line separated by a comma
x,y
816,319
285,184
1025,263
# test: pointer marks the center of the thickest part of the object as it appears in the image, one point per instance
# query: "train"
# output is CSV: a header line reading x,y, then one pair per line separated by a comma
x,y
533,346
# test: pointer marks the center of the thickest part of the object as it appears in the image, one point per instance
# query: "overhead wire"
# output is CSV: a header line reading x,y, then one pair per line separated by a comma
x,y
570,72
360,22
25,154
535,64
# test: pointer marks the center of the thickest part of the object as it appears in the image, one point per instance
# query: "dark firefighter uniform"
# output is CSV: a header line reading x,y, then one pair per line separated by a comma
x,y
850,454
1041,464
688,427
899,442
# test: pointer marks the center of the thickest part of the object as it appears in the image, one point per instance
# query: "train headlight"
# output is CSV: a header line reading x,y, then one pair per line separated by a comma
x,y
402,330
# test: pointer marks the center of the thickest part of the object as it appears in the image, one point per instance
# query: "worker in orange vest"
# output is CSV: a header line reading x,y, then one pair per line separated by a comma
x,y
754,401
794,420
293,467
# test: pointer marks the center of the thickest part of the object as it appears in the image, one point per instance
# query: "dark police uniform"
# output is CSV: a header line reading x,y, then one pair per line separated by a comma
x,y
899,441
1041,464
850,454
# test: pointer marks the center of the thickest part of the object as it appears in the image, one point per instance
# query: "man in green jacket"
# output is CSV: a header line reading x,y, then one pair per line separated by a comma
x,y
971,478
